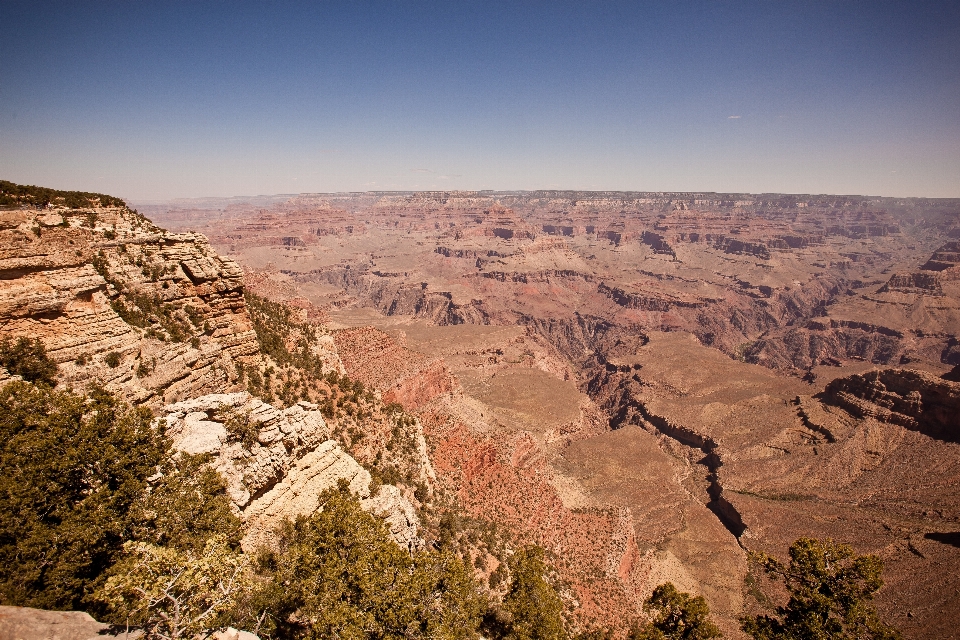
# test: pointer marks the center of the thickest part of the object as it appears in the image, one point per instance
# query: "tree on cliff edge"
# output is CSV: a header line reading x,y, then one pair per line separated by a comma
x,y
676,616
78,479
831,591
531,609
337,574
28,359
172,594
72,469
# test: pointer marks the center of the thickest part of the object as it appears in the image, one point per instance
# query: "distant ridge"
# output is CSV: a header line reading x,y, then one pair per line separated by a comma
x,y
267,200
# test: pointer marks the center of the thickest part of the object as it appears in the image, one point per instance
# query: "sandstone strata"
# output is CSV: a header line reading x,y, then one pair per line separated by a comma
x,y
911,399
745,273
90,283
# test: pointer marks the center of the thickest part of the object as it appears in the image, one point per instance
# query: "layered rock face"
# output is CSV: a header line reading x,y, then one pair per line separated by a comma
x,y
773,463
117,301
251,467
497,443
911,399
158,318
281,472
790,282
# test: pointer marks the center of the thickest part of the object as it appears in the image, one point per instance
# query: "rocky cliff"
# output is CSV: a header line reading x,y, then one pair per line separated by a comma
x,y
912,399
119,302
160,319
605,398
599,419
23,623
782,281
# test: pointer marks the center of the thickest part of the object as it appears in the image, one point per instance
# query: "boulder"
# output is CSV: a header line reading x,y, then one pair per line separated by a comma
x,y
24,623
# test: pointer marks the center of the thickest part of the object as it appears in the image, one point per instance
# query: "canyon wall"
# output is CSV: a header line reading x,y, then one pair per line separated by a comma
x,y
153,315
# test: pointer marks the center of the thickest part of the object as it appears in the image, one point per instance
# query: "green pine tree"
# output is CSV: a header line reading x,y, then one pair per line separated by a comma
x,y
831,592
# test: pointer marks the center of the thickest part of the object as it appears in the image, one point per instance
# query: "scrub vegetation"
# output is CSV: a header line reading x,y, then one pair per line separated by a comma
x,y
14,195
97,513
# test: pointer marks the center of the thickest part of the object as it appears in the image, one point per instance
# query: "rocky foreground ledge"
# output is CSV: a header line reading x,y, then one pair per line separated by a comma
x,y
24,623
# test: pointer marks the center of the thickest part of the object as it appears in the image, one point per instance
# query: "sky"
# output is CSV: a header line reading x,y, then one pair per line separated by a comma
x,y
151,101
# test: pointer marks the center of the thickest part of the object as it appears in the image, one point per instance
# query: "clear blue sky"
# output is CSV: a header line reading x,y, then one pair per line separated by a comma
x,y
156,100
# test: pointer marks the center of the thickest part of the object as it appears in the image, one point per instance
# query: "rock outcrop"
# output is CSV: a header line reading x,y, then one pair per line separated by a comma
x,y
24,623
298,492
200,425
160,319
281,471
912,399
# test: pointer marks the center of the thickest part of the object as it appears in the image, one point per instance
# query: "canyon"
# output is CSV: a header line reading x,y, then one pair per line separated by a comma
x,y
651,386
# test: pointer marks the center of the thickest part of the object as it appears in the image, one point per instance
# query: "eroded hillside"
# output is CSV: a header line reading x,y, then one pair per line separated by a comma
x,y
153,315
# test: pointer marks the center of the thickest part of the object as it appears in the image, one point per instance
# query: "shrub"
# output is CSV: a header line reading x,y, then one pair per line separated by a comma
x,y
186,506
337,573
78,478
531,609
676,616
143,369
28,359
240,428
173,594
12,194
71,471
831,591
112,359
195,317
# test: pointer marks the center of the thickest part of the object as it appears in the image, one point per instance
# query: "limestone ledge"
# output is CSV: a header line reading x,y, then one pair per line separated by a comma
x,y
25,623
283,473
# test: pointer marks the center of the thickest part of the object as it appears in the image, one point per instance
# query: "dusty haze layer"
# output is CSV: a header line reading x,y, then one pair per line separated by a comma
x,y
652,384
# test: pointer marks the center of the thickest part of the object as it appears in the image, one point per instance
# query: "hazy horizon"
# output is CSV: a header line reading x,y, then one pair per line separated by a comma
x,y
278,197
159,101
